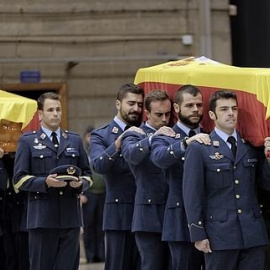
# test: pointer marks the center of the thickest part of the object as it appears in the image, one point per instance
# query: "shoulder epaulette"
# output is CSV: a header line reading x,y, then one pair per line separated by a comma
x,y
71,132
102,127
28,133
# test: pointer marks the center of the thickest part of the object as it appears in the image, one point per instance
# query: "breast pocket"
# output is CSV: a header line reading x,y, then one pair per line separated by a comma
x,y
250,166
72,157
40,161
218,175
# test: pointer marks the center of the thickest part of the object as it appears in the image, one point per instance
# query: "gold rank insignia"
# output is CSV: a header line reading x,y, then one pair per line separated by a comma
x,y
115,130
71,170
43,136
177,136
216,143
64,135
217,156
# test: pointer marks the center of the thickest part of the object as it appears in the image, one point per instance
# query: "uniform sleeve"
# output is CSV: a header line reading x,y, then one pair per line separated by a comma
x,y
103,154
3,176
135,147
84,165
265,182
165,152
193,192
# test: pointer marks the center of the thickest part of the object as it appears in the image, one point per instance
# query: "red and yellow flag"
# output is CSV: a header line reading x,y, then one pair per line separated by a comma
x,y
17,114
252,86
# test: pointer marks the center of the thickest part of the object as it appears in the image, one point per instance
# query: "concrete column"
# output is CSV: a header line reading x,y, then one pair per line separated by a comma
x,y
205,28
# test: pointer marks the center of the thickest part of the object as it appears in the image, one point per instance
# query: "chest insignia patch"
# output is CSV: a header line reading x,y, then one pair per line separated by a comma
x,y
115,130
216,156
39,146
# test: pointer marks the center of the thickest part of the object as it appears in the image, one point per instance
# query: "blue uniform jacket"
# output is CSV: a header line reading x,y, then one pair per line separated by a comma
x,y
220,194
120,183
35,157
3,187
151,185
168,155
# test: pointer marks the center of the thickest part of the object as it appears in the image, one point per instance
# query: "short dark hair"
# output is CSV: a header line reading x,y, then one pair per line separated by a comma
x,y
89,129
188,88
129,88
47,95
155,95
220,94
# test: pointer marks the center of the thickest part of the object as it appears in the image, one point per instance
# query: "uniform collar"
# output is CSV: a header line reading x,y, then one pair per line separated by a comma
x,y
187,129
48,132
120,123
224,136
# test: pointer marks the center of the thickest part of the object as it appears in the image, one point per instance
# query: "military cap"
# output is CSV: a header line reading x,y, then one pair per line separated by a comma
x,y
66,172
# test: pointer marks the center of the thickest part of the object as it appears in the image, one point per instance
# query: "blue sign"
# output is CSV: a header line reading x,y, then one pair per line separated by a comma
x,y
30,76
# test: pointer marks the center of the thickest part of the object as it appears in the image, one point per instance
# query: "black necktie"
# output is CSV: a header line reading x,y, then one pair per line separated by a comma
x,y
191,133
55,140
232,141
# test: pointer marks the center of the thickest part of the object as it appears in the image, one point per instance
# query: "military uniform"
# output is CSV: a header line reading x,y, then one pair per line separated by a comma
x,y
3,186
150,199
168,154
55,211
15,234
220,198
121,250
93,235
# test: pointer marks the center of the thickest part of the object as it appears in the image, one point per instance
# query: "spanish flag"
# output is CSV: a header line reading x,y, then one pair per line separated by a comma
x,y
252,86
17,114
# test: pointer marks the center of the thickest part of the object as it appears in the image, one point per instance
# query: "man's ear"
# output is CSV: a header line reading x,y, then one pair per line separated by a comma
x,y
146,113
176,107
212,115
40,115
117,104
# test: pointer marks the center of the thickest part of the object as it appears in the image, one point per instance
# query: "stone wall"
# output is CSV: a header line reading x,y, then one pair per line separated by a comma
x,y
95,46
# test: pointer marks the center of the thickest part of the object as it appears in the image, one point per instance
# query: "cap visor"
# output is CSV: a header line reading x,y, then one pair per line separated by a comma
x,y
67,178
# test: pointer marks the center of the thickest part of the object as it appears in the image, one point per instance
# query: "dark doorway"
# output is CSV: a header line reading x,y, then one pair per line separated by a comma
x,y
250,30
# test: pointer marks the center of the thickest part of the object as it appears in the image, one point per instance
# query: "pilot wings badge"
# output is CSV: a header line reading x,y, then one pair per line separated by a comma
x,y
39,146
216,156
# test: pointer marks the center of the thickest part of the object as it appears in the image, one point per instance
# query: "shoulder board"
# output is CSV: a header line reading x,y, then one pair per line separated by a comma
x,y
28,133
70,132
102,127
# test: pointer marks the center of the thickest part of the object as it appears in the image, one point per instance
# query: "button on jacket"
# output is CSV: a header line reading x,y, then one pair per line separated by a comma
x,y
120,183
220,194
35,157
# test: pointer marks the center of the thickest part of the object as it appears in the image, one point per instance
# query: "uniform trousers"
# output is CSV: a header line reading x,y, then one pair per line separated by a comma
x,y
121,252
54,249
2,254
154,253
16,249
93,236
185,256
236,259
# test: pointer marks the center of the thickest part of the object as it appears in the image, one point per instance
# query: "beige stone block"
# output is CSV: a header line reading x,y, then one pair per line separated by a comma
x,y
96,87
7,49
91,107
71,49
107,24
34,50
220,23
84,7
144,48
